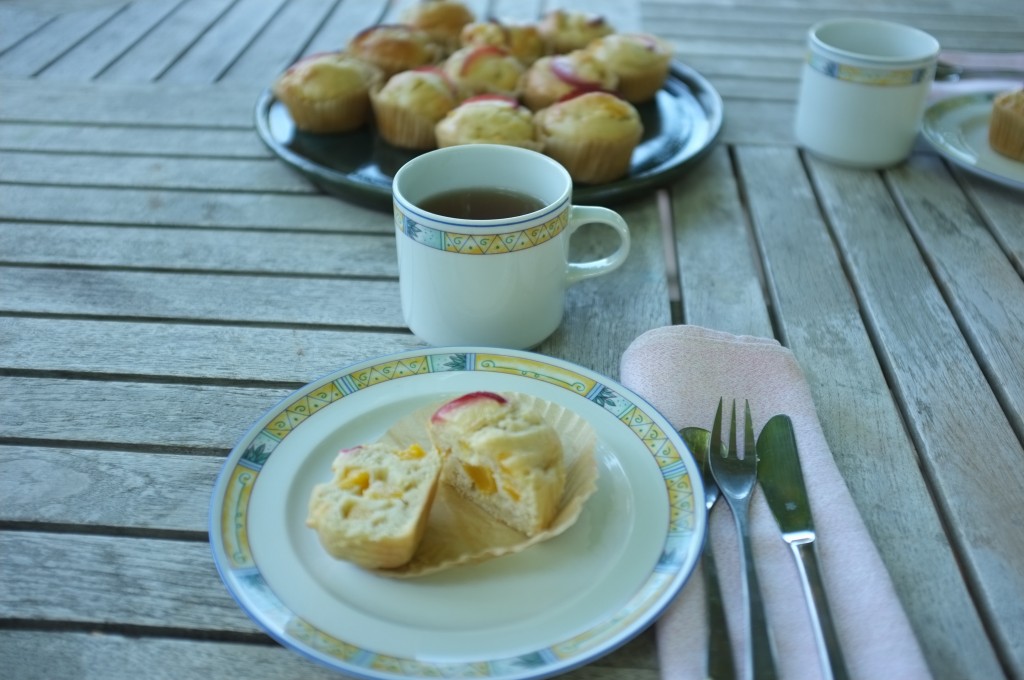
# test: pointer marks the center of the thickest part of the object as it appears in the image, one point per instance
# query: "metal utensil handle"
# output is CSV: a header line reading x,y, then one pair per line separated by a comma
x,y
762,651
831,653
720,665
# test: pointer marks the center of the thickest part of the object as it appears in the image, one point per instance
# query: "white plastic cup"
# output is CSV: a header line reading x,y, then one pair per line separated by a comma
x,y
494,282
863,91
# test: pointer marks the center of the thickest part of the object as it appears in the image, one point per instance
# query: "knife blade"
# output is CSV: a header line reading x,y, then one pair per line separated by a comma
x,y
782,481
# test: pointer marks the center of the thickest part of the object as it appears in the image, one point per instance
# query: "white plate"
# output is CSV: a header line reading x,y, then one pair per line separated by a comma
x,y
553,607
958,129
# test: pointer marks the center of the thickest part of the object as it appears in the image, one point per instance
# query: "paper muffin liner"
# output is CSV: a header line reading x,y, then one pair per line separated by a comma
x,y
459,532
403,127
592,161
338,114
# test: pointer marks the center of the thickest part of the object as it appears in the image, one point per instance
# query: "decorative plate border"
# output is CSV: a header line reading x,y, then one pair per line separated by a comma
x,y
243,579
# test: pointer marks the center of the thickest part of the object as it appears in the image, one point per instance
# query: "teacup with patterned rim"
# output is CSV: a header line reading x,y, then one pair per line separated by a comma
x,y
496,282
863,90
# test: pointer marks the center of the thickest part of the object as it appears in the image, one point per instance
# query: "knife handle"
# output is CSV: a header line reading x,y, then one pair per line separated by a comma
x,y
830,652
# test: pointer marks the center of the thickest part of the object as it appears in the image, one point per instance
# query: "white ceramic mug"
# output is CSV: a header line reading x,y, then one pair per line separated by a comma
x,y
863,90
494,282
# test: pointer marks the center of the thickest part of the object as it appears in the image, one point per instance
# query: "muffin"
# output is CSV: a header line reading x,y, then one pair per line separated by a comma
x,y
488,119
374,511
328,92
566,31
395,47
1006,126
593,135
501,456
410,104
640,61
551,79
523,41
483,69
441,19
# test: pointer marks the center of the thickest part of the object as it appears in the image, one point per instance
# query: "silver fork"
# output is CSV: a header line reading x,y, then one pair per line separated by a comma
x,y
719,662
736,478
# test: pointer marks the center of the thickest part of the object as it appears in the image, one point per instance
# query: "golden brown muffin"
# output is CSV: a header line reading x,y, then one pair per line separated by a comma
x,y
566,31
593,135
328,92
554,78
640,61
395,47
488,119
523,41
441,19
484,69
502,456
1006,127
374,511
410,104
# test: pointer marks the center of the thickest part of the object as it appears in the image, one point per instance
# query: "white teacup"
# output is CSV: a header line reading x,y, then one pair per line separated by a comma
x,y
863,90
496,282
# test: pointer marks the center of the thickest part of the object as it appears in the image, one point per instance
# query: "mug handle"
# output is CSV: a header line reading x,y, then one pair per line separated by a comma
x,y
580,215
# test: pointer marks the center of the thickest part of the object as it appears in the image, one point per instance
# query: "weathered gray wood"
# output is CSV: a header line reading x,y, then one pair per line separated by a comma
x,y
596,329
198,249
278,44
348,18
135,104
192,208
819,319
209,353
153,172
143,141
203,297
132,581
980,285
219,46
177,418
718,264
19,23
47,44
103,46
925,354
30,655
80,487
149,58
1002,208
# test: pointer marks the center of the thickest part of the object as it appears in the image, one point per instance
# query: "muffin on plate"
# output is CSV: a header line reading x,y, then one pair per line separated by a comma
x,y
523,41
488,119
374,511
551,79
441,19
395,47
410,104
593,135
566,30
484,69
503,457
328,92
1006,126
640,61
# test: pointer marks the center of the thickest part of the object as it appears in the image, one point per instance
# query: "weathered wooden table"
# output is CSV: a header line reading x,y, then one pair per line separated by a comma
x,y
164,280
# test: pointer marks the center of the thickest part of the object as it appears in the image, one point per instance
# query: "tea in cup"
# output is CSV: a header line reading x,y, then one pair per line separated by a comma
x,y
482,234
863,90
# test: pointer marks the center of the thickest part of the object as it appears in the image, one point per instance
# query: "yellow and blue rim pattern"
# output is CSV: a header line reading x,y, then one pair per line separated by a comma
x,y
482,244
241,573
866,75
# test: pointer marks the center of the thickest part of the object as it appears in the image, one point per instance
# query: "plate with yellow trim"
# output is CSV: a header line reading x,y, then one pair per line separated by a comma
x,y
553,607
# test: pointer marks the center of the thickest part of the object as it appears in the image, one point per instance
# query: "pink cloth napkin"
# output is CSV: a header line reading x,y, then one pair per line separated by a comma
x,y
682,371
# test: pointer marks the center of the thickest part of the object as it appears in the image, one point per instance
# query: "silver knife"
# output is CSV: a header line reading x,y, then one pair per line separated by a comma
x,y
778,470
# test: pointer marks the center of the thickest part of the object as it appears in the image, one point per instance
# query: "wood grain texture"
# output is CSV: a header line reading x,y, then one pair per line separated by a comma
x,y
819,319
925,353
